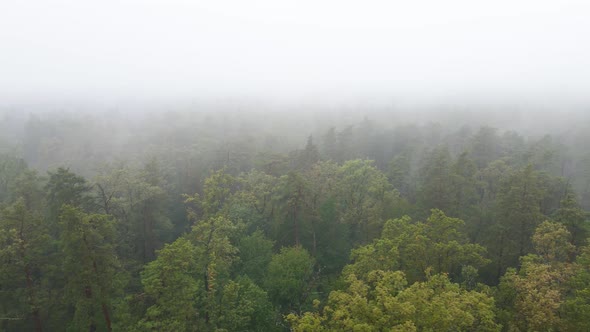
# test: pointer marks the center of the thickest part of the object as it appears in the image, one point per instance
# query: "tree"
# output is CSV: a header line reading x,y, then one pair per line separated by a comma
x,y
289,276
552,242
383,301
255,253
534,296
330,237
150,208
190,287
244,306
65,187
90,266
217,192
577,307
364,194
485,146
436,245
11,167
574,218
293,196
214,254
463,178
169,284
344,147
24,244
306,158
329,146
519,213
255,203
138,201
444,306
399,174
435,189
489,182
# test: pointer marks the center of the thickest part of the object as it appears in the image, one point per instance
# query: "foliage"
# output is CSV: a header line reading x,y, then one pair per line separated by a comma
x,y
170,285
383,301
90,265
289,276
437,245
537,293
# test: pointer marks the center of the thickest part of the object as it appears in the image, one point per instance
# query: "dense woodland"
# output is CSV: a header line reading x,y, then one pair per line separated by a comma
x,y
246,221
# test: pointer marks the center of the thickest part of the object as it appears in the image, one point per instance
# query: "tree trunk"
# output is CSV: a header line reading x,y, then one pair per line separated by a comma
x,y
314,244
296,224
206,280
105,311
107,316
35,312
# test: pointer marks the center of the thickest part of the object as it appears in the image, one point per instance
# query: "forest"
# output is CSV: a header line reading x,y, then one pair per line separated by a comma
x,y
341,219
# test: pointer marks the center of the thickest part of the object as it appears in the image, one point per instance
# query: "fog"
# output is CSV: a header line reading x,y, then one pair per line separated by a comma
x,y
115,53
84,82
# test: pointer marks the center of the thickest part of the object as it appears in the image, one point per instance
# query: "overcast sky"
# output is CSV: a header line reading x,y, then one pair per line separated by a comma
x,y
421,50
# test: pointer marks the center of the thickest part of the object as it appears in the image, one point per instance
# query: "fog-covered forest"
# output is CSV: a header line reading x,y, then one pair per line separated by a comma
x,y
240,217
294,166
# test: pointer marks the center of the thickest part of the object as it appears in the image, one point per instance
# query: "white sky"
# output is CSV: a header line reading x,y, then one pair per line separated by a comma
x,y
529,49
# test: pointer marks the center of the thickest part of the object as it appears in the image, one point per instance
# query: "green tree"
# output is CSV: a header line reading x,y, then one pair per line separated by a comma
x,y
190,288
489,182
11,167
169,283
485,146
255,203
255,253
150,209
330,238
65,187
399,174
24,245
139,202
289,277
577,307
518,214
306,158
435,186
217,192
214,254
89,265
364,194
574,218
244,306
464,183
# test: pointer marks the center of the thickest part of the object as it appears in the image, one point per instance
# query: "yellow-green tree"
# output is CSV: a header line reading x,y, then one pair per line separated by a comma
x,y
364,193
533,297
169,283
384,302
437,244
